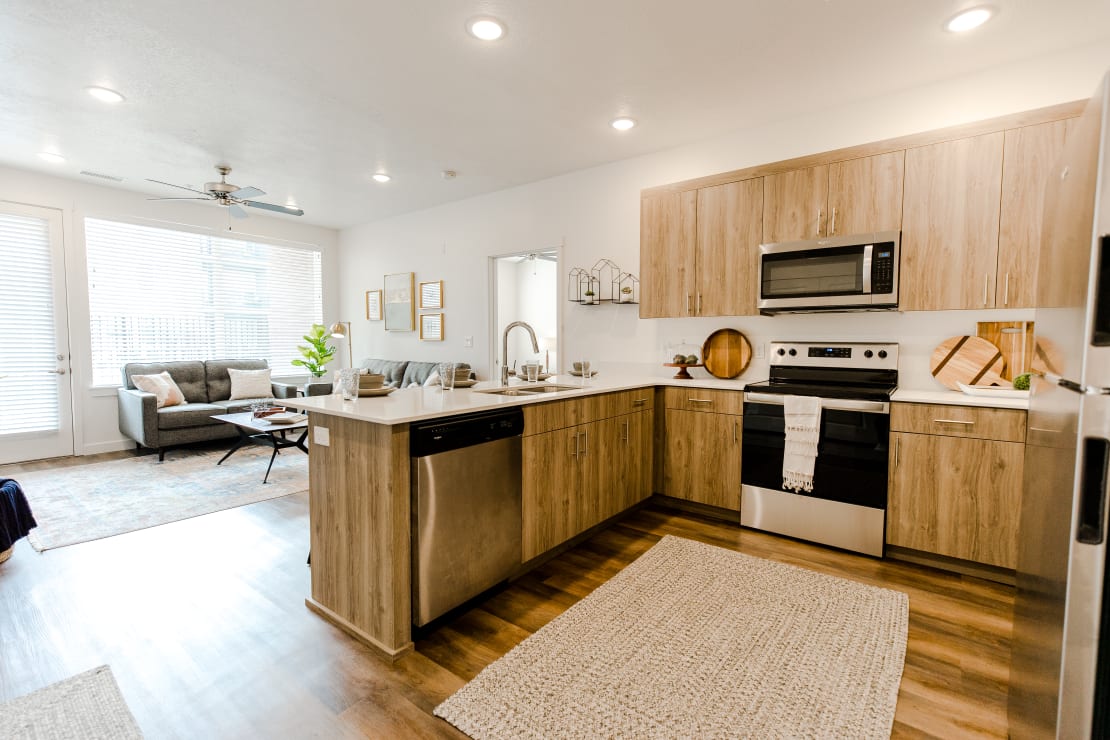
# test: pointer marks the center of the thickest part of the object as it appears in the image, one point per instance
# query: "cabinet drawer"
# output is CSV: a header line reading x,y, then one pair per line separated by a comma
x,y
1006,425
547,417
624,402
703,399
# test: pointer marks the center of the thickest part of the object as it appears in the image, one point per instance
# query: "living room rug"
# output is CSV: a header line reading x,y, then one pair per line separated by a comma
x,y
87,502
692,640
86,706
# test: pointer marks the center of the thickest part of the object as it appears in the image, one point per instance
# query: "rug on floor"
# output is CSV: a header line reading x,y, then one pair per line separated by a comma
x,y
692,640
88,706
87,502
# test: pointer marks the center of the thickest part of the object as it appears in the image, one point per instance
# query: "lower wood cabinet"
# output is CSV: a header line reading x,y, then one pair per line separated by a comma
x,y
701,458
577,477
955,496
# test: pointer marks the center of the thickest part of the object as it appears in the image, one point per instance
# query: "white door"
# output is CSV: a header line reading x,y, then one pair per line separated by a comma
x,y
36,409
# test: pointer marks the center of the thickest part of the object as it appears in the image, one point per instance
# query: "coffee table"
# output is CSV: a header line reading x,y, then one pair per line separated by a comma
x,y
262,432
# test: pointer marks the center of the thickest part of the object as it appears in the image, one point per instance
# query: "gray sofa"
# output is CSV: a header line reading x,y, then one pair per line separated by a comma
x,y
403,373
206,386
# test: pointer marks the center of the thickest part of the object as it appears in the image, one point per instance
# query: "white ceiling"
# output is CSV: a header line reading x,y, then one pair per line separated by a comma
x,y
307,100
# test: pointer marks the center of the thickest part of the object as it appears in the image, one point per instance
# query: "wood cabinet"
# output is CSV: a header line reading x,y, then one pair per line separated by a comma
x,y
853,196
1027,163
956,491
950,213
699,251
701,450
668,236
579,475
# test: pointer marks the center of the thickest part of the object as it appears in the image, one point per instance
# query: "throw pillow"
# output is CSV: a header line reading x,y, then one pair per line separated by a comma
x,y
162,386
250,383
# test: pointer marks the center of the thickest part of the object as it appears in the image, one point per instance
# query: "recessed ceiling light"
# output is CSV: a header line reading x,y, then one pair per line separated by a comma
x,y
623,123
485,28
52,157
104,94
381,177
967,20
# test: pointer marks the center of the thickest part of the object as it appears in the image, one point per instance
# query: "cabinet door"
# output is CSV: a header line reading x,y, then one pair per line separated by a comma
x,y
865,194
702,458
1026,165
795,203
730,228
956,497
595,474
950,224
667,239
551,479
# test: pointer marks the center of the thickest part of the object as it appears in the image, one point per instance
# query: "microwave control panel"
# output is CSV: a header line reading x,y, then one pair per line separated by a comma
x,y
882,269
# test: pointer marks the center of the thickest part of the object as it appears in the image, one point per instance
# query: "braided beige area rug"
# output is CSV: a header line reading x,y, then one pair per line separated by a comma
x,y
88,706
692,640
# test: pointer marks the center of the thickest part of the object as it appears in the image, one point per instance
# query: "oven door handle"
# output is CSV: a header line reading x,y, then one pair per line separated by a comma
x,y
831,404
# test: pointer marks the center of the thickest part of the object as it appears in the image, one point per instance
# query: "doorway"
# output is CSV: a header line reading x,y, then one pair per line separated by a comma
x,y
36,408
526,288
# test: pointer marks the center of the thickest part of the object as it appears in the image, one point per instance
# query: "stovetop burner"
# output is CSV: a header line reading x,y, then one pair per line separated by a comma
x,y
860,370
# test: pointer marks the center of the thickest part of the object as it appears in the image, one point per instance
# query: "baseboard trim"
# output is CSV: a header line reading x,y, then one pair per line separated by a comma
x,y
328,615
114,446
953,565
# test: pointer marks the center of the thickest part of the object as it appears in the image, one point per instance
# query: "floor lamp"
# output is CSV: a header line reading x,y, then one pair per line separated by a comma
x,y
340,330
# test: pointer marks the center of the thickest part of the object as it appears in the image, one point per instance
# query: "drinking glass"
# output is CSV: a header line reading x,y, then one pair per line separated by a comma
x,y
532,372
446,375
585,370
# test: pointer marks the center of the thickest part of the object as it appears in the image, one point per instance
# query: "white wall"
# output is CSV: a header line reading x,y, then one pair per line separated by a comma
x,y
95,420
595,213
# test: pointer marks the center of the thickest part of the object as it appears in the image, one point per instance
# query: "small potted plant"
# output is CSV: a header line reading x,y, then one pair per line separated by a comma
x,y
590,296
314,356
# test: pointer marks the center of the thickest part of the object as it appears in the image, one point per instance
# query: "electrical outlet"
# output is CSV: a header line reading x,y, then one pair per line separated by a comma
x,y
760,350
468,341
321,436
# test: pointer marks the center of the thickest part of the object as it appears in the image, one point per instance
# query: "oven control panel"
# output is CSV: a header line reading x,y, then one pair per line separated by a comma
x,y
876,355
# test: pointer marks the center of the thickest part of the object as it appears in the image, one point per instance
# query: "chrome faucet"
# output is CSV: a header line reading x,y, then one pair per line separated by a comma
x,y
505,348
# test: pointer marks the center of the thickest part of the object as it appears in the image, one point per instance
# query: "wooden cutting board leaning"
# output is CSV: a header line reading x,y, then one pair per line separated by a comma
x,y
726,353
1014,339
967,360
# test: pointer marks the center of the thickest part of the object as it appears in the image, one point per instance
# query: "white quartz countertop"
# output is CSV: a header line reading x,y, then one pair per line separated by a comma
x,y
415,404
957,398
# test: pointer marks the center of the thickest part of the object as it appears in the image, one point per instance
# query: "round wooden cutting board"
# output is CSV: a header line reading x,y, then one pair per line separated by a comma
x,y
726,353
967,360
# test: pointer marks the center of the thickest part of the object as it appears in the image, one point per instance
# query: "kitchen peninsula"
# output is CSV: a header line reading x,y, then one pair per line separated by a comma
x,y
360,487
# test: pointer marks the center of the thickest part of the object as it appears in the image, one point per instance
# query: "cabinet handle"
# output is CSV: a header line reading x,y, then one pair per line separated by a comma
x,y
819,214
897,451
953,421
1006,291
700,400
689,304
585,443
575,453
699,303
639,401
986,286
625,437
735,431
832,226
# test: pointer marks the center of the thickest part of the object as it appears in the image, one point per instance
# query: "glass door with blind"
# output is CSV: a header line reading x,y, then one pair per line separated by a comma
x,y
36,410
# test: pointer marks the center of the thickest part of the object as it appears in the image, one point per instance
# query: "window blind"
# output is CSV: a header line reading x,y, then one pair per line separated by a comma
x,y
29,398
158,295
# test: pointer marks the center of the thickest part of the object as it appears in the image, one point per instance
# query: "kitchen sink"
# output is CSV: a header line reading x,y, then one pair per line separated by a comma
x,y
529,390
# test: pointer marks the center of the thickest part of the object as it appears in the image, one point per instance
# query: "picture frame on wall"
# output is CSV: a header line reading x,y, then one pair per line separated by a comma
x,y
397,300
374,305
431,327
431,294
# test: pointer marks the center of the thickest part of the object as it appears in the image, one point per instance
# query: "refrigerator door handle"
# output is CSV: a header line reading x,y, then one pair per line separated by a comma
x,y
1070,385
1092,490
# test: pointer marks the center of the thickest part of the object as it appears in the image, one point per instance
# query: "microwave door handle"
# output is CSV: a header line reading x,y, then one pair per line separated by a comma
x,y
867,268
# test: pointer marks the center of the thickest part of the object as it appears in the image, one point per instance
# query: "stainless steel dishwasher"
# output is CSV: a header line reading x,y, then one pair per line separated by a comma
x,y
466,501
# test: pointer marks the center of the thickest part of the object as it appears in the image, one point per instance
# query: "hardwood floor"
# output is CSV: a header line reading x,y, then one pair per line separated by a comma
x,y
204,625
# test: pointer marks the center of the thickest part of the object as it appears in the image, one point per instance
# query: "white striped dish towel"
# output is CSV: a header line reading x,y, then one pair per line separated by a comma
x,y
803,429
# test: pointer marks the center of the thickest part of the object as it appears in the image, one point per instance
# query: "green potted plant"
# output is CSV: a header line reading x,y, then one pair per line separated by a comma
x,y
314,356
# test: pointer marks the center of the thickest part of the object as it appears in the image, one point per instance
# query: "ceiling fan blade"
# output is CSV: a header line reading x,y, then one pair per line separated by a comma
x,y
185,198
249,192
177,186
272,207
236,211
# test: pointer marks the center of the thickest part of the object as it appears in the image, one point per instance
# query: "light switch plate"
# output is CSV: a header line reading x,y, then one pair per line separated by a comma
x,y
760,350
321,436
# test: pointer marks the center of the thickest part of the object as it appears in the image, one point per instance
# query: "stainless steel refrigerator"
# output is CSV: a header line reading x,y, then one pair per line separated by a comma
x,y
1060,671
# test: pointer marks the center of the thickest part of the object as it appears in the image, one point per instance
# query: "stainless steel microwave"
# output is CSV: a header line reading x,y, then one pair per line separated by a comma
x,y
842,273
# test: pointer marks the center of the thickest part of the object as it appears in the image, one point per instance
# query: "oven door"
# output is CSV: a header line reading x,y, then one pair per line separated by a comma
x,y
847,506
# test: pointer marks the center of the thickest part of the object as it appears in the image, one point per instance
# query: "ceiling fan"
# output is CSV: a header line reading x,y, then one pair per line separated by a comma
x,y
229,196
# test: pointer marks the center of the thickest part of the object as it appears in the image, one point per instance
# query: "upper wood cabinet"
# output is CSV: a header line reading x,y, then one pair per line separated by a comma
x,y
668,224
854,196
795,204
698,251
1027,164
950,212
729,232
